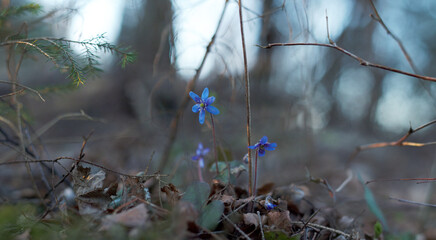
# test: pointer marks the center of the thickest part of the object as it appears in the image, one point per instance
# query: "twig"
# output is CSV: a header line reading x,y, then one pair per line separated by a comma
x,y
10,125
399,142
247,101
401,179
260,224
314,225
361,61
327,25
53,122
81,155
347,180
236,227
190,87
413,202
26,87
378,19
244,204
82,161
400,44
13,77
12,93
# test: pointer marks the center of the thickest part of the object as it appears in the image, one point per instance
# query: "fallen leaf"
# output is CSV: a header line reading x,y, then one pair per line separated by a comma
x,y
291,193
227,200
251,219
134,217
172,193
281,220
265,189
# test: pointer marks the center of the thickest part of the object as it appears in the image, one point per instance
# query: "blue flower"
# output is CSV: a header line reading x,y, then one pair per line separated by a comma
x,y
199,155
268,203
203,104
263,145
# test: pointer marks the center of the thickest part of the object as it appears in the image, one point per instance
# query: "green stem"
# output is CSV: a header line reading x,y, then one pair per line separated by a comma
x,y
214,145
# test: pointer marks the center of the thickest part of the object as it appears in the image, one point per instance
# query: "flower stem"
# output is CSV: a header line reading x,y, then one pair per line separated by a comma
x,y
214,145
200,176
255,176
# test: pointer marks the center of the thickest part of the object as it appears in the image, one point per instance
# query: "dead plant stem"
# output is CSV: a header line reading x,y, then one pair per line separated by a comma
x,y
214,145
247,100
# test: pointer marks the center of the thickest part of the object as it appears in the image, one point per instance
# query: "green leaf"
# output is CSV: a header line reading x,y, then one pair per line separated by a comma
x,y
211,215
197,194
372,204
378,229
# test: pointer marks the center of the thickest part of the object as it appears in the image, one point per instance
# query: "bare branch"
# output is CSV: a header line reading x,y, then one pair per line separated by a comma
x,y
399,142
377,18
25,87
413,202
361,61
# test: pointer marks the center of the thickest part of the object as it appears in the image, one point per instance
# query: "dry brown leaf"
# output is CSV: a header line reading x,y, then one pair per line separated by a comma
x,y
227,200
172,193
291,193
265,188
251,219
281,220
134,217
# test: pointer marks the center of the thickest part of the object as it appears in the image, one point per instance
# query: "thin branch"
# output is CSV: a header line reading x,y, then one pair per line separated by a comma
x,y
12,93
26,87
377,18
56,160
34,46
190,87
260,224
247,102
413,202
346,235
236,227
399,142
53,122
361,61
401,179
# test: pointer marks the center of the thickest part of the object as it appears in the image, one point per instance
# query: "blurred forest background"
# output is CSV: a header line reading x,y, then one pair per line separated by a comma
x,y
316,103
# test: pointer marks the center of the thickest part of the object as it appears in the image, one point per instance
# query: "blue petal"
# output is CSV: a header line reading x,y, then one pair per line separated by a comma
x,y
195,158
196,107
205,94
200,145
205,151
270,147
194,96
261,152
213,110
202,116
269,205
209,100
252,147
201,163
263,140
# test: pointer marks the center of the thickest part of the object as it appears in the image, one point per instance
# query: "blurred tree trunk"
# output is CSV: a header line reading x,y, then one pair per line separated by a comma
x,y
150,39
262,70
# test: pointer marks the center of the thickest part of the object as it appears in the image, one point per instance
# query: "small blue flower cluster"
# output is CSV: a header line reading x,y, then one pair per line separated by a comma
x,y
199,155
